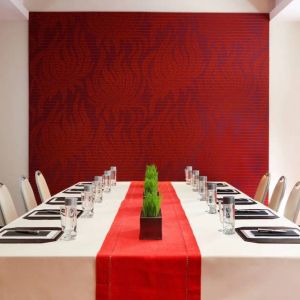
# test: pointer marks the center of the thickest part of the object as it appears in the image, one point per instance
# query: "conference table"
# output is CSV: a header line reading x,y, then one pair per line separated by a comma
x,y
231,268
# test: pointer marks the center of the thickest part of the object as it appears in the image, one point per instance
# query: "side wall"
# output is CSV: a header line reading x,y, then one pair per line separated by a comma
x,y
14,105
285,102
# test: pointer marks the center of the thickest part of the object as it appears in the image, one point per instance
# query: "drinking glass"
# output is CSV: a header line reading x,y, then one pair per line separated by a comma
x,y
68,217
87,199
195,180
103,183
211,197
107,181
202,187
228,215
220,212
113,175
98,189
188,174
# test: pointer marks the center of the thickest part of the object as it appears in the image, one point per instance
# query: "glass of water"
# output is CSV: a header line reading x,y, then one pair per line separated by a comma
x,y
202,187
107,181
220,212
98,189
195,180
113,175
228,215
188,174
87,200
211,197
68,217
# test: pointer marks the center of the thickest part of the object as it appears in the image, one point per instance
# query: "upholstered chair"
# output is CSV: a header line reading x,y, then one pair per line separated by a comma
x,y
278,194
262,188
42,186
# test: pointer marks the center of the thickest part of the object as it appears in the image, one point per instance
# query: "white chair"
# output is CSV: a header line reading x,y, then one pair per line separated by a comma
x,y
278,194
27,193
262,188
42,186
7,205
292,206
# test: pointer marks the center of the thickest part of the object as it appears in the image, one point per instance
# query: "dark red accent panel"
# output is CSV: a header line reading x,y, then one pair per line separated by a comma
x,y
129,89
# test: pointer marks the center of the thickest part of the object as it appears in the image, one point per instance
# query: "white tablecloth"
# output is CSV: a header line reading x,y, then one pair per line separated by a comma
x,y
231,268
63,269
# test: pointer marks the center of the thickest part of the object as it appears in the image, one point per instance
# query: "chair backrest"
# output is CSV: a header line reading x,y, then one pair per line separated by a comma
x,y
27,193
42,186
278,194
292,206
262,188
7,205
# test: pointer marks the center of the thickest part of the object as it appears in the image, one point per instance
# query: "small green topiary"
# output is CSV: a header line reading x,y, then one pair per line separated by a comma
x,y
152,200
151,205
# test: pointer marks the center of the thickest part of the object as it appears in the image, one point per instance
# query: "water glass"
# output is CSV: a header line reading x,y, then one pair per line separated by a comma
x,y
212,197
220,212
103,183
188,174
87,199
195,180
98,189
202,187
228,215
107,181
68,217
113,175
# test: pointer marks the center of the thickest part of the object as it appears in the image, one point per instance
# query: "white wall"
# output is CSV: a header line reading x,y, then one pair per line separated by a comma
x,y
13,105
285,102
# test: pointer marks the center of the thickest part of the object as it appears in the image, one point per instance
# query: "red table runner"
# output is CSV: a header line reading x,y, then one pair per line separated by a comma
x,y
128,268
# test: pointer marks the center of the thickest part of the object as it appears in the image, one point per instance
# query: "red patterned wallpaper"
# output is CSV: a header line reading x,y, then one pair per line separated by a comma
x,y
129,89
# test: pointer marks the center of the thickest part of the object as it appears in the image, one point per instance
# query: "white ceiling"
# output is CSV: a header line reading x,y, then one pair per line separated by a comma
x,y
290,13
151,5
9,11
284,10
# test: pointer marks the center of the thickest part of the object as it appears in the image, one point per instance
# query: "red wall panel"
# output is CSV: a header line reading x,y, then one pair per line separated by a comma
x,y
129,89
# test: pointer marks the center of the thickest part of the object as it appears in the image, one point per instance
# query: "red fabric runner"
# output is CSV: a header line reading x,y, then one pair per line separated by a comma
x,y
128,268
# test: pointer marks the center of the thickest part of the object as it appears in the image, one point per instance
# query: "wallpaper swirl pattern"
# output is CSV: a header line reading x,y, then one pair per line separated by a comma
x,y
128,89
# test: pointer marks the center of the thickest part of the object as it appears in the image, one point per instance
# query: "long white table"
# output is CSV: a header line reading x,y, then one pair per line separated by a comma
x,y
231,268
63,269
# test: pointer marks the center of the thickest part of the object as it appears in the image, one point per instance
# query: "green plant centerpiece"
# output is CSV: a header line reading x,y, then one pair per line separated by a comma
x,y
151,217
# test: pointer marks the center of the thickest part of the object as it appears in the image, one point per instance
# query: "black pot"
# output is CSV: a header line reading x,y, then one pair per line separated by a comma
x,y
151,227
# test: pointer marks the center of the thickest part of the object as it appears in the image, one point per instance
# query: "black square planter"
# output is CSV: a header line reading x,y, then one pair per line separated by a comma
x,y
151,227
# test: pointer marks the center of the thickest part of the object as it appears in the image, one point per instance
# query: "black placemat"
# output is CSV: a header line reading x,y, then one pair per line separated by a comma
x,y
43,214
271,238
219,184
13,233
73,191
244,201
255,214
61,200
10,235
272,234
83,183
227,192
